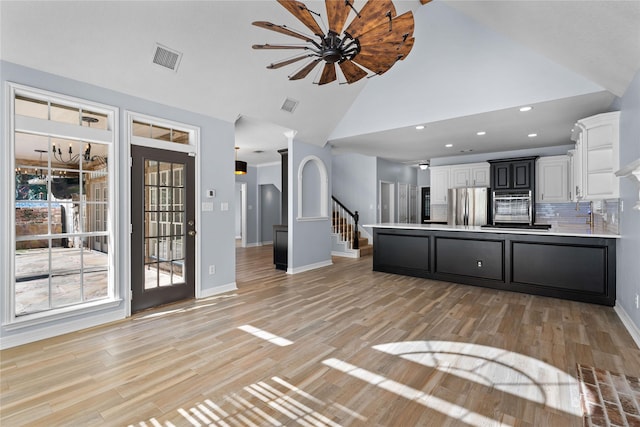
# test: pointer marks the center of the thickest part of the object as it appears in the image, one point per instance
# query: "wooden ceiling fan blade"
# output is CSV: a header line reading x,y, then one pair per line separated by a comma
x,y
281,29
425,1
328,74
376,63
281,64
401,49
337,13
306,70
276,46
300,11
372,14
352,72
401,28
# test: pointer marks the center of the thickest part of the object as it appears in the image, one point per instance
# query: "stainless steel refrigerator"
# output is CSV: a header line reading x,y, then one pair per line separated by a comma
x,y
468,206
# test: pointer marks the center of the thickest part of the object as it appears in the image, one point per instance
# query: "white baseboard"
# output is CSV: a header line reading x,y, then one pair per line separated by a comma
x,y
266,243
253,245
353,253
628,323
26,337
206,293
309,267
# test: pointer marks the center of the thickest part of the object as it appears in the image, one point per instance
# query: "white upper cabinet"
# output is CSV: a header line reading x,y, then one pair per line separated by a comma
x,y
470,175
552,176
597,157
439,184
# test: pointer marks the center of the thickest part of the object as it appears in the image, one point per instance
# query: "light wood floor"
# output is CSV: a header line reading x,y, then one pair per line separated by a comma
x,y
341,345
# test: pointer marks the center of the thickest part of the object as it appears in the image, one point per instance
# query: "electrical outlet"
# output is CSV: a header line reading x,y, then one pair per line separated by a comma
x,y
212,269
479,263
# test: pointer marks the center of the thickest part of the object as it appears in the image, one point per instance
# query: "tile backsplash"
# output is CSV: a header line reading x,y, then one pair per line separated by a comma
x,y
606,215
575,215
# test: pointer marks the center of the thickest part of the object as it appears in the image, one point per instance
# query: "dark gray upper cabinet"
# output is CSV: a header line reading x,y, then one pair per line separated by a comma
x,y
513,174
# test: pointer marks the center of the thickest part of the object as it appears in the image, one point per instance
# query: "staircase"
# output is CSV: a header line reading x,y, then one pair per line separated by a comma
x,y
346,239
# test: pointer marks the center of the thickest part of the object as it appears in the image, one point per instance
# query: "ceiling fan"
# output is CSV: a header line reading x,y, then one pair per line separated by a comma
x,y
372,42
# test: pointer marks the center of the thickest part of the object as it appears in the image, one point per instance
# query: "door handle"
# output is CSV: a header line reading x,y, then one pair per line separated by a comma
x,y
191,233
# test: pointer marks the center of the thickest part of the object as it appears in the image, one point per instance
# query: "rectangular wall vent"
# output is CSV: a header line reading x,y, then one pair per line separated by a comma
x,y
166,57
289,105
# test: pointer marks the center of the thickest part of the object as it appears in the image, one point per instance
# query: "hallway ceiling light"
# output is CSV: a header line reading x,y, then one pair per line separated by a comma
x,y
372,43
241,167
525,109
419,127
423,166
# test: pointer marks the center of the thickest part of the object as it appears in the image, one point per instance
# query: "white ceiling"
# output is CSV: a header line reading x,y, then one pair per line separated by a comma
x,y
473,64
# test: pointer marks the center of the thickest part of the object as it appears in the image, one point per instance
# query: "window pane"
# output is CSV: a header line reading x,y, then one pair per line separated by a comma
x,y
65,114
161,133
32,218
164,278
150,172
66,288
141,129
180,137
151,276
90,117
65,185
151,198
177,271
32,276
96,284
95,157
32,107
165,173
150,250
178,245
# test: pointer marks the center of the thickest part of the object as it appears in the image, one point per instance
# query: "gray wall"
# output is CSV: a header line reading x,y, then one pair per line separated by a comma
x,y
309,241
270,174
628,267
354,184
215,242
269,211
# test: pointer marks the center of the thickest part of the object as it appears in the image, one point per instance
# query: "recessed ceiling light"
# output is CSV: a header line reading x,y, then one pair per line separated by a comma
x,y
420,127
449,145
532,135
527,108
481,133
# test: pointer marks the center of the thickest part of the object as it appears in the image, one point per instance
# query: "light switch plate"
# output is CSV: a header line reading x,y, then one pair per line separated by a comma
x,y
207,207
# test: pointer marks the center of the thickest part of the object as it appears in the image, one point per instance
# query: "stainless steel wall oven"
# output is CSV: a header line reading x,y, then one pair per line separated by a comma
x,y
513,207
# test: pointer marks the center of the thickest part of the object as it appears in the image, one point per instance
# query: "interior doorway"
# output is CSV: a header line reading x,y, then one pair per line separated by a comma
x,y
241,214
386,205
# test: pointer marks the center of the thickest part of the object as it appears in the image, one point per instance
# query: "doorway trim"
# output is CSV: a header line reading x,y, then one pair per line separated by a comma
x,y
193,148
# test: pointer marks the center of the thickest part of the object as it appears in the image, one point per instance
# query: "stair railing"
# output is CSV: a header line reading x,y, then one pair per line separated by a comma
x,y
345,223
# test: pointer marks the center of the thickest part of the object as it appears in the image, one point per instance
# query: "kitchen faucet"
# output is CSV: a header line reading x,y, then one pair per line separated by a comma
x,y
590,220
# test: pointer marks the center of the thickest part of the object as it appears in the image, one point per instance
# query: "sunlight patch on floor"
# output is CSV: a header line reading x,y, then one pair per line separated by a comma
x,y
514,373
432,402
267,336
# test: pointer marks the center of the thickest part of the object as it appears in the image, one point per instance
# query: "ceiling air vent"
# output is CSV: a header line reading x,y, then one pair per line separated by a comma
x,y
289,105
166,57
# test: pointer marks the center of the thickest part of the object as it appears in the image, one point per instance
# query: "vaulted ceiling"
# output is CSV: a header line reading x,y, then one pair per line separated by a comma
x,y
474,63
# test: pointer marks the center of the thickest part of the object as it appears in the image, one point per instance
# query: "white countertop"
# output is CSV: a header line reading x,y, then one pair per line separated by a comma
x,y
555,230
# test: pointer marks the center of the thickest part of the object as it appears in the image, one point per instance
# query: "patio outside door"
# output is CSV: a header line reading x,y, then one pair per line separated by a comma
x,y
163,227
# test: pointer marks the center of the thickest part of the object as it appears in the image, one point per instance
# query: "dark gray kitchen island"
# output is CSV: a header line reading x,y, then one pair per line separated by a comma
x,y
576,265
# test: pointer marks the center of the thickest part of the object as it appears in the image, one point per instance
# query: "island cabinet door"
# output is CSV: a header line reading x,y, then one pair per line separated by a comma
x,y
583,269
402,252
470,258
